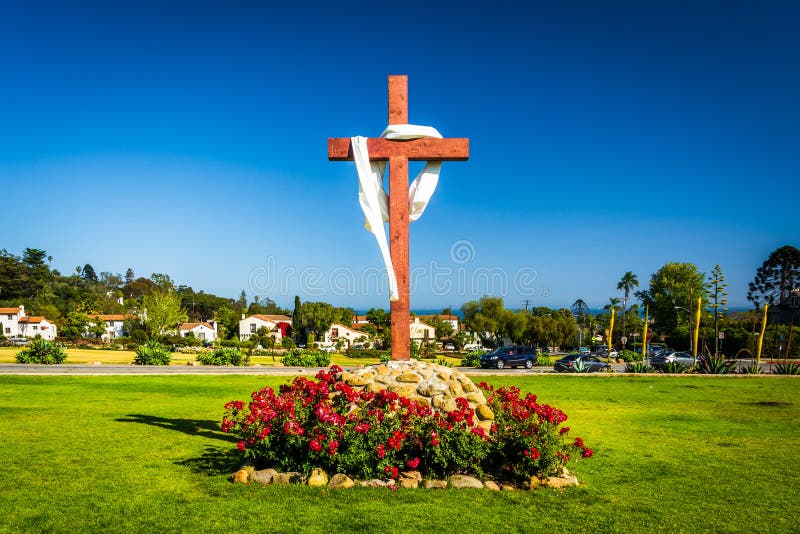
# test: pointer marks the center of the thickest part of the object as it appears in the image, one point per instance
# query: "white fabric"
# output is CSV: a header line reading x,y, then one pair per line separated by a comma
x,y
373,198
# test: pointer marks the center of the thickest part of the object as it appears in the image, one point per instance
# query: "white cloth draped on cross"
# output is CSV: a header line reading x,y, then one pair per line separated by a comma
x,y
373,198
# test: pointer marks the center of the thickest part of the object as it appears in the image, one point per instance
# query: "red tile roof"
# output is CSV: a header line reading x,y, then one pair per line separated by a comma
x,y
273,318
111,317
9,310
189,326
33,319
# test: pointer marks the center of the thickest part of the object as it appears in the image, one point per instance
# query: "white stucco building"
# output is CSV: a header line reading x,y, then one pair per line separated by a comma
x,y
14,323
420,331
113,325
32,326
9,320
338,331
206,331
277,325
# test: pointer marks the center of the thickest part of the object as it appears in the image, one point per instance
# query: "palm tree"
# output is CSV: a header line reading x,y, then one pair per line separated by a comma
x,y
580,308
626,283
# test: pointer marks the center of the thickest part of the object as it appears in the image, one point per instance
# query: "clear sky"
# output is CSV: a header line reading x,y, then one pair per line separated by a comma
x,y
190,138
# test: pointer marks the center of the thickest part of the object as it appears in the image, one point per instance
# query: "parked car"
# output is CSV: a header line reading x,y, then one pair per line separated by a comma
x,y
513,356
450,346
469,347
584,350
661,359
571,363
602,352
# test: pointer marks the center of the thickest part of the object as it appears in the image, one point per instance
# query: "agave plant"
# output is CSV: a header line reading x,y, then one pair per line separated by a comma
x,y
787,369
715,365
580,366
675,368
752,369
638,367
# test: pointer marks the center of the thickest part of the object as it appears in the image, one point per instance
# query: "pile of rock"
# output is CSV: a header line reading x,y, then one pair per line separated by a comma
x,y
407,479
435,385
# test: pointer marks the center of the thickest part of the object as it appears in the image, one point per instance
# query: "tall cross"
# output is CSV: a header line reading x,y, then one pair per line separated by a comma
x,y
399,153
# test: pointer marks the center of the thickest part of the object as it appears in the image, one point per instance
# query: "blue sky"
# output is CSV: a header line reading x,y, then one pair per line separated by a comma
x,y
190,138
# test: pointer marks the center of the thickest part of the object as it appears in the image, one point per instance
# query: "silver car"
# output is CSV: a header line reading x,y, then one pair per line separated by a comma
x,y
661,359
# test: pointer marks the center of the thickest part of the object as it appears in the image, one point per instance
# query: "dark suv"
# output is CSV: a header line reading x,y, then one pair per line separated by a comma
x,y
513,356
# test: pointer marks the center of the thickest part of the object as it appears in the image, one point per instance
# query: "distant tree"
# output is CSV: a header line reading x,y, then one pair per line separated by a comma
x,y
444,330
242,302
777,277
164,312
88,274
488,318
227,322
139,288
674,284
628,282
163,281
111,281
96,327
717,300
75,325
129,276
296,310
379,317
315,317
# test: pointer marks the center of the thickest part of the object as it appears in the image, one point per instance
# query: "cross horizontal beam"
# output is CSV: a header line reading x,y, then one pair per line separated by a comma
x,y
425,149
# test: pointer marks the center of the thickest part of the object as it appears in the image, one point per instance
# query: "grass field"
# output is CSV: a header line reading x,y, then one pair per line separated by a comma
x,y
145,454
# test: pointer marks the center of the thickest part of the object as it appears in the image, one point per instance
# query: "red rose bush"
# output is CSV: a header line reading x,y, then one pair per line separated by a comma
x,y
342,429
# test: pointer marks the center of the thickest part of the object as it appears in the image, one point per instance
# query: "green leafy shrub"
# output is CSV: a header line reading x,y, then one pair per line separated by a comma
x,y
472,359
152,353
223,356
42,351
328,424
543,360
365,353
674,368
629,356
306,358
714,365
287,343
787,369
638,367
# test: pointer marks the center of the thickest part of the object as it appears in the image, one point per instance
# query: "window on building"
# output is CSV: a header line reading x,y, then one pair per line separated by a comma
x,y
10,316
334,333
35,327
252,328
8,330
202,335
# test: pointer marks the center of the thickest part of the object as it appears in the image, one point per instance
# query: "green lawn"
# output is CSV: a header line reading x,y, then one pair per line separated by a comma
x,y
144,454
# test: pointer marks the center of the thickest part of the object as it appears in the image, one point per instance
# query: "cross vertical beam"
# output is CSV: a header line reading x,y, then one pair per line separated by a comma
x,y
398,153
398,223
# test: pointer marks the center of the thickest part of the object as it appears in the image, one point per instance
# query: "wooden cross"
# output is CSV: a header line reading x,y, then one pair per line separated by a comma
x,y
399,152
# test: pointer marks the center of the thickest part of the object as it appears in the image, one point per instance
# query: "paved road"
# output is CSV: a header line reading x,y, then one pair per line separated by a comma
x,y
88,369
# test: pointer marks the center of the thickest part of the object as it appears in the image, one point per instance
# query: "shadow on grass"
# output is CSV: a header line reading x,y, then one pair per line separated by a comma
x,y
214,462
193,427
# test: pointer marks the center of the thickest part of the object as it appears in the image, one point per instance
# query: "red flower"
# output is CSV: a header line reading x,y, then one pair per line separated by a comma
x,y
332,446
533,453
264,433
587,453
362,428
413,464
241,446
392,471
564,430
315,445
579,442
381,451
